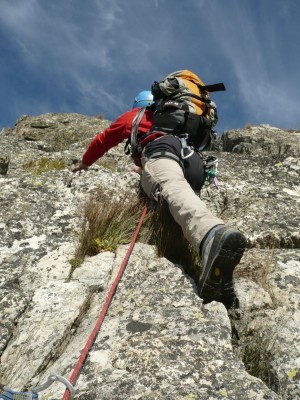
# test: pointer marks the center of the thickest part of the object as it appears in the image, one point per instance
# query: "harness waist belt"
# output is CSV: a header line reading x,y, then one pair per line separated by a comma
x,y
164,154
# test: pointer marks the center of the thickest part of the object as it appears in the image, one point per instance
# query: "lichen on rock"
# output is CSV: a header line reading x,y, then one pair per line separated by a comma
x,y
158,340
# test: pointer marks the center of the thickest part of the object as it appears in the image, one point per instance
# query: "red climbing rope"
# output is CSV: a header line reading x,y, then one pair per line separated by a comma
x,y
108,300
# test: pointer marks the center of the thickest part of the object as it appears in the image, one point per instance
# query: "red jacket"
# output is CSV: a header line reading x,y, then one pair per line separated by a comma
x,y
115,134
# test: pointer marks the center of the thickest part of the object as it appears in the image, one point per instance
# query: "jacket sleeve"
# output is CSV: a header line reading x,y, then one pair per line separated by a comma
x,y
110,137
115,134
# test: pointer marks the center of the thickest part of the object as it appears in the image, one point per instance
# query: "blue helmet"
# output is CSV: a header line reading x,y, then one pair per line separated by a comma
x,y
143,99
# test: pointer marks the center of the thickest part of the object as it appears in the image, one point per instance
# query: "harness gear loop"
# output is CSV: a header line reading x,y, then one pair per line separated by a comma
x,y
102,315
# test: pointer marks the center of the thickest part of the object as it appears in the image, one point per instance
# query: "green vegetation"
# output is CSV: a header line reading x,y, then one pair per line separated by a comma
x,y
168,238
62,140
107,222
44,164
75,263
261,269
255,352
256,357
108,164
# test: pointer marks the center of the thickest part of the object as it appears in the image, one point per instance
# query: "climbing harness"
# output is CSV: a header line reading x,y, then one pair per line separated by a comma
x,y
165,154
210,163
32,393
102,315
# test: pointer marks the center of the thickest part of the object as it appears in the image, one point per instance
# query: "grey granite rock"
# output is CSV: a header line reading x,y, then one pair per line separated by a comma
x,y
158,340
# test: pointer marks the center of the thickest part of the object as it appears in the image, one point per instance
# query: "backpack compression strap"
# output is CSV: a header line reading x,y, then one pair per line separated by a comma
x,y
216,87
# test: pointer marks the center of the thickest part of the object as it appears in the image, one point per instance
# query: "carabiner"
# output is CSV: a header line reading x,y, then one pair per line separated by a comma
x,y
53,378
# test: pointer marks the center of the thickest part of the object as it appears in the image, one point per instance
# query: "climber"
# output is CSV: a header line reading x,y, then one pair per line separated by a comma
x,y
164,173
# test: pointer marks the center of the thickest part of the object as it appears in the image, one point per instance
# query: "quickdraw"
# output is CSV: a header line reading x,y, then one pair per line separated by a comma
x,y
211,170
32,393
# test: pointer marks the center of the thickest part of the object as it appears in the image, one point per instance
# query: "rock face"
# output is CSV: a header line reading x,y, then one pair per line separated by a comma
x,y
158,340
262,140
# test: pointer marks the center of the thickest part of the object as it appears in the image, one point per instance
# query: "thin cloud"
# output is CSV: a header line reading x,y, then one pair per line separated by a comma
x,y
71,54
257,54
92,58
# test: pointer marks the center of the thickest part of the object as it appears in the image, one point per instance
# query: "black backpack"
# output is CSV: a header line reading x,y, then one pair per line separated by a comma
x,y
183,106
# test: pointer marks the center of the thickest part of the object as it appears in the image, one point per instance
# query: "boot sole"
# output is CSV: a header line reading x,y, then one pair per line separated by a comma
x,y
216,281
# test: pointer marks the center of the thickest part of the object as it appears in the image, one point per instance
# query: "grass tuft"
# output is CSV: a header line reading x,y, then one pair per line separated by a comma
x,y
107,223
75,263
168,238
44,164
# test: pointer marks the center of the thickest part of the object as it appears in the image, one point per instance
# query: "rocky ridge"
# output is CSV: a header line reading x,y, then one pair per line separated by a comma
x,y
158,340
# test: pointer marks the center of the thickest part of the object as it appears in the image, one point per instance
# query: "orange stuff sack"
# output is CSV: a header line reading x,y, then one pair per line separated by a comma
x,y
183,106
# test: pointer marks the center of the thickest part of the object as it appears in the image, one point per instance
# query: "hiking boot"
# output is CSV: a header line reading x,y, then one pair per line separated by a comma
x,y
221,251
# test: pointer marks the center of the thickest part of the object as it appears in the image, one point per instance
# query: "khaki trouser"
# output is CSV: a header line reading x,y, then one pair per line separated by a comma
x,y
187,209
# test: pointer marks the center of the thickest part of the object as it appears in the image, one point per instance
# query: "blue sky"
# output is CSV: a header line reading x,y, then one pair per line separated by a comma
x,y
93,56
